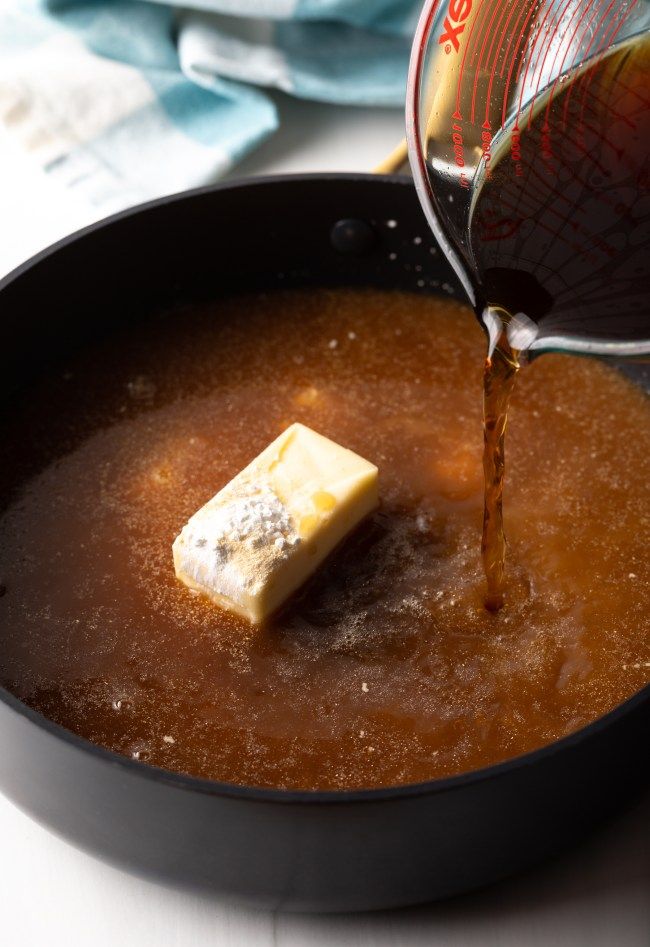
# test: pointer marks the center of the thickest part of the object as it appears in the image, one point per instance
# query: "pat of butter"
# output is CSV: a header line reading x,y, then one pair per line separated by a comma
x,y
268,530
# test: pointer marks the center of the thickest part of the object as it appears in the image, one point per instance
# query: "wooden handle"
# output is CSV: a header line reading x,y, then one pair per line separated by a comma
x,y
395,161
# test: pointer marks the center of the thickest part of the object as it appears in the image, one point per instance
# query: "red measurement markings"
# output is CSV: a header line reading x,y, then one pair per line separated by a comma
x,y
521,214
521,39
522,9
540,195
580,146
538,31
459,151
560,71
457,114
545,146
499,228
624,162
558,233
540,71
588,30
593,72
486,156
477,68
515,146
538,189
536,181
608,40
618,150
528,58
515,152
540,198
538,184
594,33
588,154
593,103
499,47
594,100
590,99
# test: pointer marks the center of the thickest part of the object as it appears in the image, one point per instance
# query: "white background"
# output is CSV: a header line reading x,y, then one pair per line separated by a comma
x,y
50,894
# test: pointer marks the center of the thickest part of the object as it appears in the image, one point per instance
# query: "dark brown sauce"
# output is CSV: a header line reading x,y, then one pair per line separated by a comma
x,y
386,668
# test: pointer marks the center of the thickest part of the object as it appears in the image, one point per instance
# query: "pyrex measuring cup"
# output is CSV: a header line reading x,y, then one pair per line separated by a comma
x,y
528,126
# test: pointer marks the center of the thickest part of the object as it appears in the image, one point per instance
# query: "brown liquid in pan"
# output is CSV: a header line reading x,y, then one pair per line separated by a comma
x,y
387,668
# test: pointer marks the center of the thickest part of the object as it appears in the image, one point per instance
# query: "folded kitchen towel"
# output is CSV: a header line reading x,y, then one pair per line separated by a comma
x,y
124,100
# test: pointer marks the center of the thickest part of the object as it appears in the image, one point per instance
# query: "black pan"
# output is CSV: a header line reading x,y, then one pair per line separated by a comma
x,y
340,851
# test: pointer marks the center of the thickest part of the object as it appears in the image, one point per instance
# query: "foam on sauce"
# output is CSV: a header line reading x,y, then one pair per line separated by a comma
x,y
386,668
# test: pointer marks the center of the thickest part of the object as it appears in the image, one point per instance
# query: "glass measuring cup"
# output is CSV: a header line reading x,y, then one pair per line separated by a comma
x,y
528,125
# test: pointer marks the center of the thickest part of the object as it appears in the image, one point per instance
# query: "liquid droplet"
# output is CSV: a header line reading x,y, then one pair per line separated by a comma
x,y
121,703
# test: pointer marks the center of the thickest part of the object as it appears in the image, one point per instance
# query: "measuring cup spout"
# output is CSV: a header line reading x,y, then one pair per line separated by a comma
x,y
528,126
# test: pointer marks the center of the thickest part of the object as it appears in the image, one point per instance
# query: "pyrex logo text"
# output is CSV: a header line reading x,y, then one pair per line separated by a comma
x,y
454,24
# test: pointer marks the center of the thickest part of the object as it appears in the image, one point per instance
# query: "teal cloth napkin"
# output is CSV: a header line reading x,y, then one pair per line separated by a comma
x,y
124,100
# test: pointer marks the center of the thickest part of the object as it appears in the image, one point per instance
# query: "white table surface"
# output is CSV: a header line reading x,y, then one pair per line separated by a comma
x,y
595,896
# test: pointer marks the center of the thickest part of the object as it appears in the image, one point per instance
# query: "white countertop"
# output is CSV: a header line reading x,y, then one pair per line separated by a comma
x,y
596,896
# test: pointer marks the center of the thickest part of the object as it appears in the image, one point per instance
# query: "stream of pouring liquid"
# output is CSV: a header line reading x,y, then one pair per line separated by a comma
x,y
500,373
582,154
